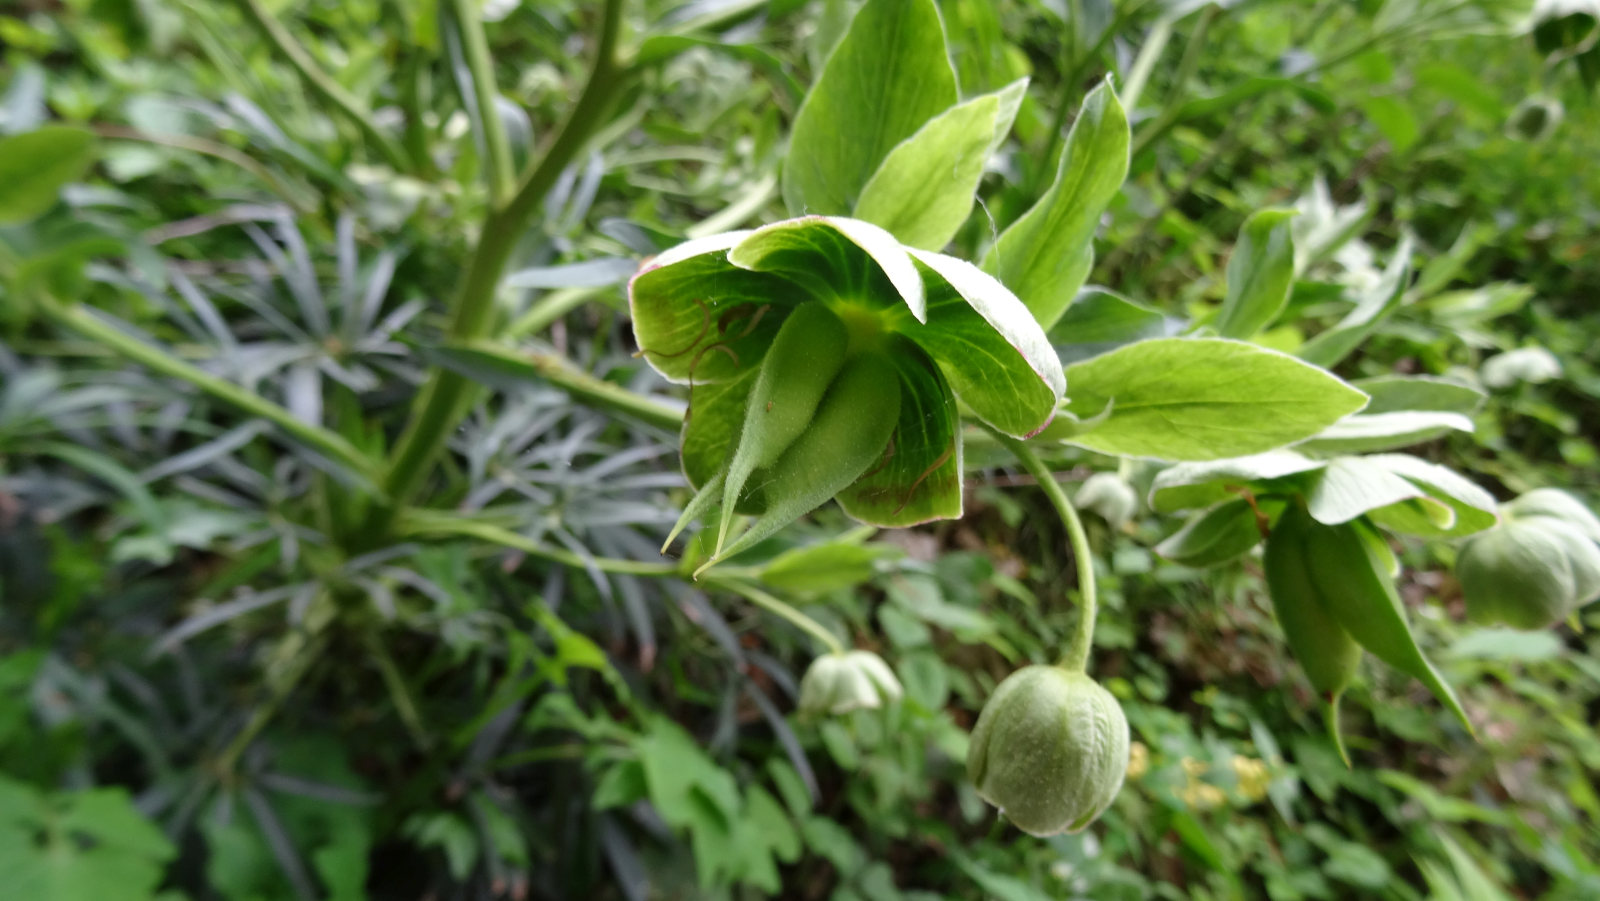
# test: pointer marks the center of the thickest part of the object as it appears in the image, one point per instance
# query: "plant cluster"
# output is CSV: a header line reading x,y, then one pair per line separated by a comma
x,y
361,377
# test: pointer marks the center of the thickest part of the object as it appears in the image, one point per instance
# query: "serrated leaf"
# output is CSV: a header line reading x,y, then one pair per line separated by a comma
x,y
1044,256
1203,399
1260,273
885,79
925,188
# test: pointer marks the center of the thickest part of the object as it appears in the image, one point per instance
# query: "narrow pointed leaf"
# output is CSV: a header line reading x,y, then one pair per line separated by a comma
x,y
1333,345
1260,273
885,79
1045,256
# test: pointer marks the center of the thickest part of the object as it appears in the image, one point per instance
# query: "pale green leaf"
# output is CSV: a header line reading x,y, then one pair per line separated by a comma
x,y
1044,256
1260,273
1187,486
1203,399
1333,345
925,188
887,76
1366,432
35,165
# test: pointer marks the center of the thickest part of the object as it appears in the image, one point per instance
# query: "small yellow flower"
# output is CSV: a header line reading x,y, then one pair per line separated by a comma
x,y
1194,768
1138,760
1254,776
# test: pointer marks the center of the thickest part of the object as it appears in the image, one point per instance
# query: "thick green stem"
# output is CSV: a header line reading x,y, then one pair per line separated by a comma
x,y
606,395
1076,657
325,442
322,83
771,604
497,168
421,522
441,404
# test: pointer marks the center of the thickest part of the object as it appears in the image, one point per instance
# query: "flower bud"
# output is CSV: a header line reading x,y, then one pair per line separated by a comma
x,y
1530,571
1050,750
1109,496
842,682
1535,119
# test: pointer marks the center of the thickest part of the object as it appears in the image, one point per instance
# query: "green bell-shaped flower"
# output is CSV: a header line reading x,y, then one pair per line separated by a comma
x,y
1537,566
838,683
824,360
1050,750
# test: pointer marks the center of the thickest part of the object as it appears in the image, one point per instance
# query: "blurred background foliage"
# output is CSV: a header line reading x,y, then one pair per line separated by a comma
x,y
178,719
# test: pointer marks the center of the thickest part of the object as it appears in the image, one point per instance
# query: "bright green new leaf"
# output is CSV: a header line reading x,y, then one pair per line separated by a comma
x,y
925,188
1260,273
1203,399
887,77
35,164
825,567
1044,256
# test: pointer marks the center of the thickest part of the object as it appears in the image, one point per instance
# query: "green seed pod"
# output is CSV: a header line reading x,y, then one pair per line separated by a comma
x,y
1527,573
805,357
1357,591
1110,497
852,680
1323,648
848,437
1050,750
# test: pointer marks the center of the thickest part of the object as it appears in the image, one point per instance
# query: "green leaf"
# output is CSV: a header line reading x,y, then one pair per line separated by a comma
x,y
1099,320
86,846
1366,432
1397,393
34,165
920,477
1394,120
823,567
888,76
716,414
1473,507
1191,485
1044,256
1203,399
1222,533
1349,487
1333,345
925,188
983,339
1260,273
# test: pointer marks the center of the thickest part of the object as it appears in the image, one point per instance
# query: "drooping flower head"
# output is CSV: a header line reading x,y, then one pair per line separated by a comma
x,y
824,360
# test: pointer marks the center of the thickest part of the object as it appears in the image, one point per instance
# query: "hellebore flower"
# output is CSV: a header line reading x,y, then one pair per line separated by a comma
x,y
1050,750
1110,496
824,360
849,680
1534,568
